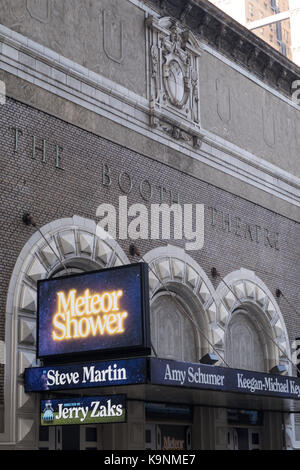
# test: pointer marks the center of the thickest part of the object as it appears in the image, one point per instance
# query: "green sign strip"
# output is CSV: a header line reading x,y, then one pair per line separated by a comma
x,y
85,410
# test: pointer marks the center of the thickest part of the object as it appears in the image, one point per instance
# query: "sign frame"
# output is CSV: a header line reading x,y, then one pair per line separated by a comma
x,y
125,351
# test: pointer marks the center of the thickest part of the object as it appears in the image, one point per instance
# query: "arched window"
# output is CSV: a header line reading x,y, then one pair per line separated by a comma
x,y
244,342
174,334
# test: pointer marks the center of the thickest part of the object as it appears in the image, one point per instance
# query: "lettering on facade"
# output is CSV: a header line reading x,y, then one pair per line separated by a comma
x,y
227,223
40,148
147,190
231,224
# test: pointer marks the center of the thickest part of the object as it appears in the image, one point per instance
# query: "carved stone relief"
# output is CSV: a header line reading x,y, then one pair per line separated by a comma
x,y
16,12
223,100
268,121
113,36
174,80
29,92
40,10
268,128
81,13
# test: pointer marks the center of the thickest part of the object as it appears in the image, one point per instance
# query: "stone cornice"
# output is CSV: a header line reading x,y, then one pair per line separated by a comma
x,y
230,38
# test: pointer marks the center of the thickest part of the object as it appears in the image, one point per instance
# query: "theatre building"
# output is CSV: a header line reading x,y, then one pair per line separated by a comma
x,y
161,339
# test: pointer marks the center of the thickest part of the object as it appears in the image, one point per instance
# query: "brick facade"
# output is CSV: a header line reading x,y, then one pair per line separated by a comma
x,y
50,193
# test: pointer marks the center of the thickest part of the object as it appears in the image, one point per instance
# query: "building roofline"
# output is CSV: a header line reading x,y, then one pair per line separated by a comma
x,y
214,27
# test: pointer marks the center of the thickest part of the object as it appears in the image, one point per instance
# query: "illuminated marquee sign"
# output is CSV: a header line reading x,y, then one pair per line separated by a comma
x,y
106,310
86,410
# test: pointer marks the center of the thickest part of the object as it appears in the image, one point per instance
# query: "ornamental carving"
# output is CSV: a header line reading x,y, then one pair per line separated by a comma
x,y
174,80
113,36
39,10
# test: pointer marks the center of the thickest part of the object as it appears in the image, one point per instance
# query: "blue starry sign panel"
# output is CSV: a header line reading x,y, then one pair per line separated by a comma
x,y
143,370
103,311
86,375
84,410
200,376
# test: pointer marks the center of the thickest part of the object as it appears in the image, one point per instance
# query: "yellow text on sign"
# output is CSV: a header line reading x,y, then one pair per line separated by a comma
x,y
88,315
